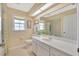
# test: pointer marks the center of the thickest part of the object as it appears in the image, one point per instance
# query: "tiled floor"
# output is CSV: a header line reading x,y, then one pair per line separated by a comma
x,y
23,51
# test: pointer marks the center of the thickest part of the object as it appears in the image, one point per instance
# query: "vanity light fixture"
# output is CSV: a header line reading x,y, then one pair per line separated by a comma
x,y
42,8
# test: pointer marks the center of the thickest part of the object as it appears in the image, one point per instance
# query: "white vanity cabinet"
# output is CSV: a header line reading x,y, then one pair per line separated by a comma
x,y
34,45
42,47
42,51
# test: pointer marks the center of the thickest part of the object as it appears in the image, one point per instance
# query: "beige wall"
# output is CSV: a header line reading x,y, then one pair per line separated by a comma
x,y
15,38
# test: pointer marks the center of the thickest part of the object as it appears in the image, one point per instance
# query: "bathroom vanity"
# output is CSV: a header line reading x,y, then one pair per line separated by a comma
x,y
53,46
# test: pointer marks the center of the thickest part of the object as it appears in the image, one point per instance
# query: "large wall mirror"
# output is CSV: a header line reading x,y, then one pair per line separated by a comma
x,y
63,25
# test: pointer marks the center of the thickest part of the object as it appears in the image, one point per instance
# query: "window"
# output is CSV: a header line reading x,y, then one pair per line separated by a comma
x,y
41,26
19,24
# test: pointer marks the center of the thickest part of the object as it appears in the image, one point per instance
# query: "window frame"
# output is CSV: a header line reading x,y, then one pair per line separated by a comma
x,y
41,26
25,24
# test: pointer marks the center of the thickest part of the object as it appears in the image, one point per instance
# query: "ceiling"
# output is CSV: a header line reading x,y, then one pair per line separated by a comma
x,y
33,7
21,6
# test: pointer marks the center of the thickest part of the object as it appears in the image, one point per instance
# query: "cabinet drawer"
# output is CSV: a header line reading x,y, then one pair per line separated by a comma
x,y
42,52
35,41
56,52
43,45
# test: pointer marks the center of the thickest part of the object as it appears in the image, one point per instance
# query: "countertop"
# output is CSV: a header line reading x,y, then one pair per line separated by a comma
x,y
67,47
